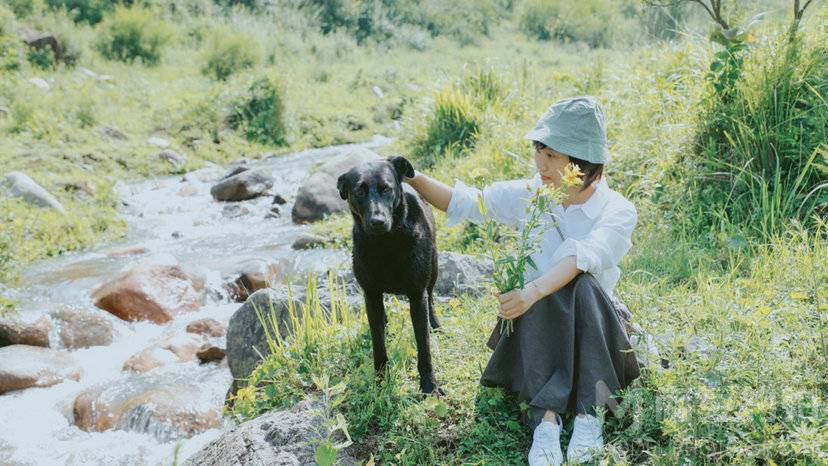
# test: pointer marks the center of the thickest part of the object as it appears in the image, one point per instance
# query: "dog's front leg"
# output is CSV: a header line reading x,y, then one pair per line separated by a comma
x,y
420,318
375,309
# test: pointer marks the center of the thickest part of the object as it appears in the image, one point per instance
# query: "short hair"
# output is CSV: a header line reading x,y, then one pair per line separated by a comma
x,y
591,171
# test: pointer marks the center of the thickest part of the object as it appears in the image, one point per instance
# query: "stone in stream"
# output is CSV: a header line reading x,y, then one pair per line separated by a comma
x,y
207,327
17,184
172,157
245,185
155,289
21,331
209,353
23,366
278,437
234,210
461,273
279,200
308,241
79,328
318,196
166,409
254,274
180,348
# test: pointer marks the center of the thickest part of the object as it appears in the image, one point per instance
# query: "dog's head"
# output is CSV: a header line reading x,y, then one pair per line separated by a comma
x,y
374,191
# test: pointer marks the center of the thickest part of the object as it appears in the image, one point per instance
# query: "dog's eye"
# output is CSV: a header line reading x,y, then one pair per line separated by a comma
x,y
362,190
384,189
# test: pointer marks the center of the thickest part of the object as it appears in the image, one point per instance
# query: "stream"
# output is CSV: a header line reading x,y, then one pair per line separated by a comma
x,y
170,215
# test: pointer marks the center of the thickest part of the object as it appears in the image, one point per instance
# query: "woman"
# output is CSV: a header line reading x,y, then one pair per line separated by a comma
x,y
569,350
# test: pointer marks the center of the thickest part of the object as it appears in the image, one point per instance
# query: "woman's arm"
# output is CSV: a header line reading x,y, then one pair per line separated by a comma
x,y
433,191
516,302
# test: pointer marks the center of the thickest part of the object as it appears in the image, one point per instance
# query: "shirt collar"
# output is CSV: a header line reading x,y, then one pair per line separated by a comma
x,y
593,206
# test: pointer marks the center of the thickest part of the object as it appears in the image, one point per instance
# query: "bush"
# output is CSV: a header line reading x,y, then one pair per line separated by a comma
x,y
89,11
598,23
11,50
449,130
133,34
762,146
260,114
228,52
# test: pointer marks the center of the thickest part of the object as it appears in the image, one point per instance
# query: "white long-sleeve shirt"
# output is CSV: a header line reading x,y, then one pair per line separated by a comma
x,y
596,232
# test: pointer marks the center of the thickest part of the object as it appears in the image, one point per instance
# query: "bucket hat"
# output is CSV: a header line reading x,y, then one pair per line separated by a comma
x,y
575,127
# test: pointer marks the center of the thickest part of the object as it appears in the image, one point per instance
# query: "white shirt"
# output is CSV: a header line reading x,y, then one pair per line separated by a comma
x,y
596,232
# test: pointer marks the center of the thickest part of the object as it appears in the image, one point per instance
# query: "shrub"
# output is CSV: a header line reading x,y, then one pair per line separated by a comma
x,y
228,52
762,150
597,23
11,50
90,11
260,114
132,34
449,130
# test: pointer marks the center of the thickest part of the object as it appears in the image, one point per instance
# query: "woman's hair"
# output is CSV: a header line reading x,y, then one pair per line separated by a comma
x,y
591,171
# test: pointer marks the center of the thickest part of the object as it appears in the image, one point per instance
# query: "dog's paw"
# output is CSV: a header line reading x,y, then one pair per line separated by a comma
x,y
432,389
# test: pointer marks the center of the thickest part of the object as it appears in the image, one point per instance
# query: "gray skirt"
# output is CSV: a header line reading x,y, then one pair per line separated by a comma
x,y
569,352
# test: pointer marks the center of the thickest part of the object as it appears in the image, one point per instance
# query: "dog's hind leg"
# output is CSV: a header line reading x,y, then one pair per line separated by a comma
x,y
375,310
432,312
420,318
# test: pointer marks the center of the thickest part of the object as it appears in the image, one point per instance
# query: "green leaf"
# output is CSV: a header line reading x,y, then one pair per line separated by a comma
x,y
441,409
325,454
716,66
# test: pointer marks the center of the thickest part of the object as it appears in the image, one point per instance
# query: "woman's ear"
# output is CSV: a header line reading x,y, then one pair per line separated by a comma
x,y
343,184
402,166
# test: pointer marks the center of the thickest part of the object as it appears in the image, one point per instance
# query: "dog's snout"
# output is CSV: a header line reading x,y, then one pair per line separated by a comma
x,y
377,221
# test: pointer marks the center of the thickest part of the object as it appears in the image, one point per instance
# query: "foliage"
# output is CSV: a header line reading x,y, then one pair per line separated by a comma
x,y
229,52
133,34
89,11
260,114
598,23
450,130
11,51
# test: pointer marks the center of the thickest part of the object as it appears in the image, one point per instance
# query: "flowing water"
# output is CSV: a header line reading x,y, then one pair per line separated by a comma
x,y
175,216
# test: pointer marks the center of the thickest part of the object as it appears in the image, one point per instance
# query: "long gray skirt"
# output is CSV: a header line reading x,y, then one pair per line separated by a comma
x,y
567,353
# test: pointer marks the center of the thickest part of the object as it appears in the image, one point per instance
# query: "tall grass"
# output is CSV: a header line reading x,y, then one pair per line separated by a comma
x,y
451,129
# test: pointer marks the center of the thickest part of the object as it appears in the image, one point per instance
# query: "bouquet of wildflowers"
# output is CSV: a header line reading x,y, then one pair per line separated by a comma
x,y
512,254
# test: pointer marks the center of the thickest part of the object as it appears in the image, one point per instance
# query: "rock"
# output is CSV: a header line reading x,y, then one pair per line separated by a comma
x,y
235,170
4,111
80,328
245,185
234,210
209,353
41,83
165,409
188,190
42,40
16,331
308,241
155,289
318,196
180,348
94,75
156,141
279,200
252,275
274,212
17,184
278,437
378,92
129,251
246,338
176,234
23,366
207,327
172,157
112,132
461,273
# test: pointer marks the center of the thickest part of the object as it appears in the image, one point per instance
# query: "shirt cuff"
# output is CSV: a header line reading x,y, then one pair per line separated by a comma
x,y
463,204
585,259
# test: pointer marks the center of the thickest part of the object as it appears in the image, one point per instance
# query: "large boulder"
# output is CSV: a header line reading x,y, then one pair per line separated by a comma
x,y
279,437
318,195
155,289
23,366
166,409
43,41
79,328
462,273
246,337
179,348
22,331
16,184
242,186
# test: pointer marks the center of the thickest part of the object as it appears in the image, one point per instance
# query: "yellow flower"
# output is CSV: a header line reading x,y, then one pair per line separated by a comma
x,y
479,173
572,175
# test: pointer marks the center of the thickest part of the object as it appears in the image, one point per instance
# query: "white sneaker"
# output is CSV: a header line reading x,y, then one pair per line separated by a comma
x,y
546,444
586,439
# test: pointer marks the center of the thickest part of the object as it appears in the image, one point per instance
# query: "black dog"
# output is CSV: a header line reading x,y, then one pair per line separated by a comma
x,y
394,252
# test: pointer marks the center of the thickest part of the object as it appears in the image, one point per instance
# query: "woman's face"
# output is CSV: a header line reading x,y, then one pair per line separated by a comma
x,y
551,164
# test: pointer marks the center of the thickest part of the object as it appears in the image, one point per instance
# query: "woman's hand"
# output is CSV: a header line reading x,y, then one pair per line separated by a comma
x,y
515,303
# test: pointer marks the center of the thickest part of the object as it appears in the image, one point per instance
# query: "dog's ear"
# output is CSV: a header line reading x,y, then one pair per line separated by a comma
x,y
343,184
402,166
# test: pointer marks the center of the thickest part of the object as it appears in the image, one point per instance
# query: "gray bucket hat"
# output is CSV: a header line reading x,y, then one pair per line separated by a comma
x,y
574,127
